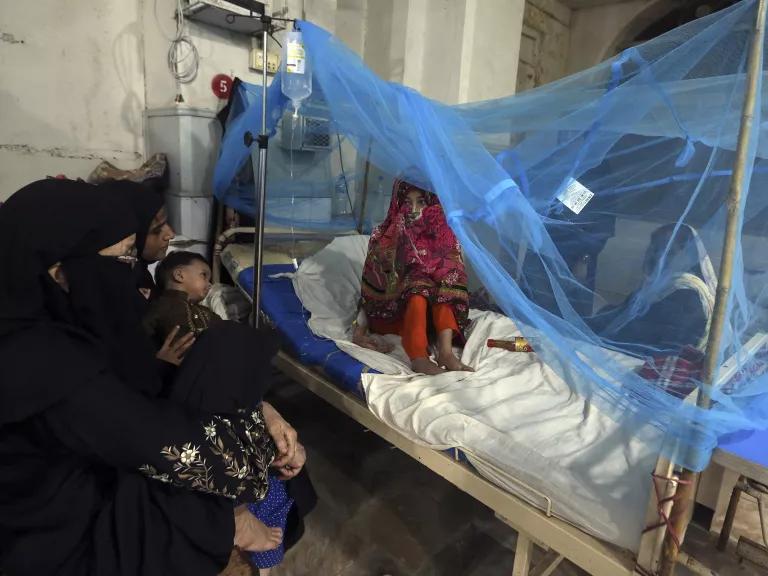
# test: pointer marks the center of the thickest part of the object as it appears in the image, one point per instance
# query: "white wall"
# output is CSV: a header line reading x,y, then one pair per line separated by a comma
x,y
450,50
220,51
72,88
494,50
78,78
442,35
350,24
78,74
384,44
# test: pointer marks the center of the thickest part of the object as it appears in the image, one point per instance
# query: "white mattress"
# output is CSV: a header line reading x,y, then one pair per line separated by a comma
x,y
515,418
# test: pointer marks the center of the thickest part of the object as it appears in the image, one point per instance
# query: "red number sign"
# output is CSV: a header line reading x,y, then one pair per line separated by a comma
x,y
221,86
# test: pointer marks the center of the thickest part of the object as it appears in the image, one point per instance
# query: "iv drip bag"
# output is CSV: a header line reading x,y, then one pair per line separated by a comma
x,y
297,71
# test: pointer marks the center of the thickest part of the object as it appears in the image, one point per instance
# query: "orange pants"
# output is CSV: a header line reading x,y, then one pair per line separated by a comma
x,y
412,326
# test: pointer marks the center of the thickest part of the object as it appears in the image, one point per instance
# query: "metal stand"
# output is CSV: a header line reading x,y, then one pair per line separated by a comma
x,y
730,514
681,511
260,170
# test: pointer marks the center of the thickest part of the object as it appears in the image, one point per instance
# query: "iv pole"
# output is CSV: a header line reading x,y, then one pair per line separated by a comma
x,y
680,515
260,187
261,176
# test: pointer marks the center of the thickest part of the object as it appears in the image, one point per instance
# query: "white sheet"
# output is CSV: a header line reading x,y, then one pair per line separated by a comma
x,y
514,417
328,285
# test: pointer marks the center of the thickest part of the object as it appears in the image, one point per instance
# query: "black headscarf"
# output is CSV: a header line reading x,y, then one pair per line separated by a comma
x,y
40,225
52,343
145,202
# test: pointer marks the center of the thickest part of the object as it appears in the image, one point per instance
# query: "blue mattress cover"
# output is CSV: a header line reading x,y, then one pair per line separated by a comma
x,y
280,303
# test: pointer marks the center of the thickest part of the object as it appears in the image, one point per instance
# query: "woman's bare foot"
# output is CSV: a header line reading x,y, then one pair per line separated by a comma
x,y
426,366
252,535
450,362
267,539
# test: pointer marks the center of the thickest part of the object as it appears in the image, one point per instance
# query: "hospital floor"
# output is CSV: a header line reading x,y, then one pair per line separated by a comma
x,y
382,513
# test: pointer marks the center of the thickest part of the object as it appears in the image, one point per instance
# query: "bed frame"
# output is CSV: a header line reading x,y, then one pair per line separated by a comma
x,y
559,539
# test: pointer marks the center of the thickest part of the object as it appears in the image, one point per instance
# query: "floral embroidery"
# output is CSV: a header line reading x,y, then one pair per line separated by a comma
x,y
234,463
189,455
152,472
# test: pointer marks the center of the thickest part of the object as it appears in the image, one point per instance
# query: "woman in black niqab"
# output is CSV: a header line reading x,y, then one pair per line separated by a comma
x,y
145,203
97,475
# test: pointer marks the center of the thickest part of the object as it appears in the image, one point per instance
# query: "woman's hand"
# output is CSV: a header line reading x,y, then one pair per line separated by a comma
x,y
292,468
173,352
285,437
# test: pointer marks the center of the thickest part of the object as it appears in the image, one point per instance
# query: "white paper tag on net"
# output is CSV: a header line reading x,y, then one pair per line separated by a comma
x,y
575,196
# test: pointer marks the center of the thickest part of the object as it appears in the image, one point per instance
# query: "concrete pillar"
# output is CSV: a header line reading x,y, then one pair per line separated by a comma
x,y
450,50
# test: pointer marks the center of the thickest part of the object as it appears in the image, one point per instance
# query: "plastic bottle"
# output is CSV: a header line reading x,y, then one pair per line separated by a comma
x,y
296,70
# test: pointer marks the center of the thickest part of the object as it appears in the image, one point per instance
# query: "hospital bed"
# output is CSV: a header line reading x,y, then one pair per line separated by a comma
x,y
321,367
328,372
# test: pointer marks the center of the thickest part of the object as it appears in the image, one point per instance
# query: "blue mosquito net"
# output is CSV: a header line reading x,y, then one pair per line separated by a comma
x,y
592,210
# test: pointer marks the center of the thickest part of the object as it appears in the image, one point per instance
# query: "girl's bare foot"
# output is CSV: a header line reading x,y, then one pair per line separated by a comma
x,y
426,366
450,362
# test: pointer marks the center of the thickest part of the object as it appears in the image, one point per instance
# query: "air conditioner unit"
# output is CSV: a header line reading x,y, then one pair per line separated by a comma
x,y
305,133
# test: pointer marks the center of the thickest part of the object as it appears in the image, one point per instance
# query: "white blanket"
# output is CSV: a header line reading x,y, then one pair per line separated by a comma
x,y
515,418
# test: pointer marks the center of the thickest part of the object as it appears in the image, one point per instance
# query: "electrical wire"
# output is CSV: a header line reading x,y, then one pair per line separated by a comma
x,y
183,58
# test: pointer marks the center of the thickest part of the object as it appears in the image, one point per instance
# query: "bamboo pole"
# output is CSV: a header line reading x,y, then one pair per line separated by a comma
x,y
681,510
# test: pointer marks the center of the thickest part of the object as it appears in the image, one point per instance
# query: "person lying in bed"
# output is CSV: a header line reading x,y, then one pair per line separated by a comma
x,y
414,273
673,307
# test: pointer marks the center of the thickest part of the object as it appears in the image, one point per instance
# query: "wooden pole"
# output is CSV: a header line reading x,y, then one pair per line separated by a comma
x,y
681,511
